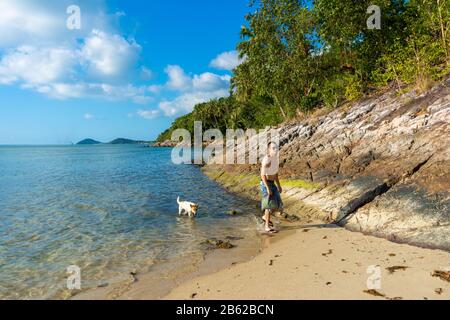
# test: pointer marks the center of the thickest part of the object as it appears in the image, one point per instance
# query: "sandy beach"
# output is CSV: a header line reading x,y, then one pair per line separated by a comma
x,y
326,262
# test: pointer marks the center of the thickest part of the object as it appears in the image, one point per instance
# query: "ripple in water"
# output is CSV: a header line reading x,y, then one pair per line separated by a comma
x,y
110,210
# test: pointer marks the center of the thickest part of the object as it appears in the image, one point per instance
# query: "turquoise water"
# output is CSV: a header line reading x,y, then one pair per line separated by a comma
x,y
110,210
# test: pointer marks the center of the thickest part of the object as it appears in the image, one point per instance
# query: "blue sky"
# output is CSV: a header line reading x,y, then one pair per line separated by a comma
x,y
132,68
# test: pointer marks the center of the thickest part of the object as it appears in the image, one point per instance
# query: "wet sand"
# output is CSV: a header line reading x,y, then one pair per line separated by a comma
x,y
326,262
158,280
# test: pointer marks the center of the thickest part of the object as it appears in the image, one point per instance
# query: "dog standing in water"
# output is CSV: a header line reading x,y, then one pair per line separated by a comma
x,y
187,208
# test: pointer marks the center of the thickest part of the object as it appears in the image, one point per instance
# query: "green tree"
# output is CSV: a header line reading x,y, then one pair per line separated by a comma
x,y
300,54
421,53
276,46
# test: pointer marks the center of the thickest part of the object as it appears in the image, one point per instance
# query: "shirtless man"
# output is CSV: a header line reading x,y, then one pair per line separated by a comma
x,y
271,186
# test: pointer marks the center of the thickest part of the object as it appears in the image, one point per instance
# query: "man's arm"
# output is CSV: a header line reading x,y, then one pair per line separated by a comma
x,y
280,188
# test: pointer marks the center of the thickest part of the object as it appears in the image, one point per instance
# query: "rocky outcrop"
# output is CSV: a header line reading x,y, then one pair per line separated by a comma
x,y
165,144
380,166
173,144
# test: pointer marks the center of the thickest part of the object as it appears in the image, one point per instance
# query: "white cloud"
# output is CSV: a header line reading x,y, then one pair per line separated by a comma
x,y
38,52
44,21
20,20
102,57
186,102
63,91
226,61
68,90
109,55
65,72
196,89
210,82
32,65
178,79
148,114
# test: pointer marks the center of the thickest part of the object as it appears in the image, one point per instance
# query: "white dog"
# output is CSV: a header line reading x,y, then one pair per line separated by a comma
x,y
187,208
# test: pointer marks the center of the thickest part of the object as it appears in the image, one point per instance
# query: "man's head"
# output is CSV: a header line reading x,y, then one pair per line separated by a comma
x,y
272,149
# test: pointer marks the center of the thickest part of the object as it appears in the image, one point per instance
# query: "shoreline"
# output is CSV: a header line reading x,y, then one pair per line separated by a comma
x,y
326,262
156,281
314,260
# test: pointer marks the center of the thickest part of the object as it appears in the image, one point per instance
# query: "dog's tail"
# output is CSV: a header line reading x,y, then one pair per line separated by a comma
x,y
178,200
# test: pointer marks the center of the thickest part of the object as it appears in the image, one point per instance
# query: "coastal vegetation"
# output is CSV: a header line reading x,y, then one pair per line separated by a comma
x,y
302,55
127,141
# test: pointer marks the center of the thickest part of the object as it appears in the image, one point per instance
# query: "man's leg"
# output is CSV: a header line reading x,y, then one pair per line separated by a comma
x,y
267,219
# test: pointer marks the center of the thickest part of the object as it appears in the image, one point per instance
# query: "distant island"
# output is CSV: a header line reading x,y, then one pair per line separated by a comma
x,y
115,141
127,141
88,142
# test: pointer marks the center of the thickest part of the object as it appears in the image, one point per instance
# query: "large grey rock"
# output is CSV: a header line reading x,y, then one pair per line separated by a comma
x,y
382,163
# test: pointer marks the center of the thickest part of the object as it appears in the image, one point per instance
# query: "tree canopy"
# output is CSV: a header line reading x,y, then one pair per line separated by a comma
x,y
299,55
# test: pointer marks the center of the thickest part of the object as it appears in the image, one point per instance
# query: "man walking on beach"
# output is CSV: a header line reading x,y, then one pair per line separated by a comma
x,y
271,186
